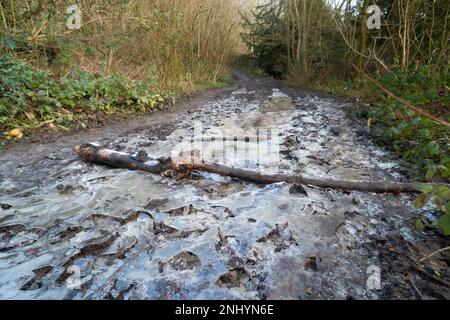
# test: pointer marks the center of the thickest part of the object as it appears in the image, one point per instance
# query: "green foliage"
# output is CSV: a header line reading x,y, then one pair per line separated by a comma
x,y
418,140
264,37
441,199
29,96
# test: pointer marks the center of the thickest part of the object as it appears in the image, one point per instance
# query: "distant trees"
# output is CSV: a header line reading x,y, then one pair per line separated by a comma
x,y
316,39
266,39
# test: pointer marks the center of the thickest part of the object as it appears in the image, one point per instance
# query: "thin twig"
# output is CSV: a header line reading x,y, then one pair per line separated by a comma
x,y
434,253
413,284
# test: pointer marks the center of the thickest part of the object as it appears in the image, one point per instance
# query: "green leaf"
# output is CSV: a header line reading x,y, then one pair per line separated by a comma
x,y
431,172
424,187
424,133
432,149
441,196
443,224
422,199
420,224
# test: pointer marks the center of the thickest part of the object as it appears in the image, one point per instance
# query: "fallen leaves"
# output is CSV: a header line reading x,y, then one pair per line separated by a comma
x,y
48,123
30,115
15,133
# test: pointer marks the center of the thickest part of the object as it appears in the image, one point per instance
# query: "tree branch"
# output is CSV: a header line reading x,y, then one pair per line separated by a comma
x,y
95,154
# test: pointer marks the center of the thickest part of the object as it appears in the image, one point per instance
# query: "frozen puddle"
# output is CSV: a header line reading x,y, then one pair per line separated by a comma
x,y
90,232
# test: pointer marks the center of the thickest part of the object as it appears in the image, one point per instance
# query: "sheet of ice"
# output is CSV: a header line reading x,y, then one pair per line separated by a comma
x,y
135,235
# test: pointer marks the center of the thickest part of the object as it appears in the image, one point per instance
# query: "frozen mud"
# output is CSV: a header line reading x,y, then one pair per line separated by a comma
x,y
72,230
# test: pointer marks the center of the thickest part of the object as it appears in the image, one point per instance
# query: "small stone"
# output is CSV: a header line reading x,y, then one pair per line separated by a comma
x,y
64,189
297,189
313,263
5,206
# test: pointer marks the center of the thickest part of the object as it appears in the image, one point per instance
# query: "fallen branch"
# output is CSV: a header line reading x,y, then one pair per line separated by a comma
x,y
403,101
95,154
434,253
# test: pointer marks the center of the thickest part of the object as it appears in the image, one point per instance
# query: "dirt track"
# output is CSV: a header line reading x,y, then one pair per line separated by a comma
x,y
132,235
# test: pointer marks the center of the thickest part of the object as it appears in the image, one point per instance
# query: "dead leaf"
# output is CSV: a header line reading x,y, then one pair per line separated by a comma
x,y
49,123
33,250
438,265
30,115
82,124
16,133
65,111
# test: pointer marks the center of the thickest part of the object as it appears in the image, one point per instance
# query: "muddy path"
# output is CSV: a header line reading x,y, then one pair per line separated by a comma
x,y
71,230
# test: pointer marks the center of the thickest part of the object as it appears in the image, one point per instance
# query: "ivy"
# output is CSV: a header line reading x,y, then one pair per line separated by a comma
x,y
441,199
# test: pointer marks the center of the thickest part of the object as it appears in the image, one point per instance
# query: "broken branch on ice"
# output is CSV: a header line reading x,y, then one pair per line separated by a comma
x,y
95,154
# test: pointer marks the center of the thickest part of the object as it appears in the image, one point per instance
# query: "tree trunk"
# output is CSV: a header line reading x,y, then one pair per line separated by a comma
x,y
363,35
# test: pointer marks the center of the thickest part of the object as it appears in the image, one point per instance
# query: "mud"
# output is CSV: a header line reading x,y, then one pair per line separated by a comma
x,y
72,230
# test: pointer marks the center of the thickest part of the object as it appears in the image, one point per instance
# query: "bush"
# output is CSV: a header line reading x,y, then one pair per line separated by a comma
x,y
418,140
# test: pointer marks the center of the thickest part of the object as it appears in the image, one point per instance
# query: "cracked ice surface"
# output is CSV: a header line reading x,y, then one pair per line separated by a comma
x,y
134,235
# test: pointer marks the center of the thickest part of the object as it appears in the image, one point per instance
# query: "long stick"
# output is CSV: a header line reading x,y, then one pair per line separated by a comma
x,y
95,154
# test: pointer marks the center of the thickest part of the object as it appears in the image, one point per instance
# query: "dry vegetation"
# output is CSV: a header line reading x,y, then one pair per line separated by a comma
x,y
306,39
177,41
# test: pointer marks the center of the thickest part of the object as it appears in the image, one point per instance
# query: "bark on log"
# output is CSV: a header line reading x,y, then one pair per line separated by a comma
x,y
95,154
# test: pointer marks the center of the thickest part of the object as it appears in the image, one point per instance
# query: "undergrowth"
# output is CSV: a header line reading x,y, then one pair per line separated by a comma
x,y
32,98
421,143
416,139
